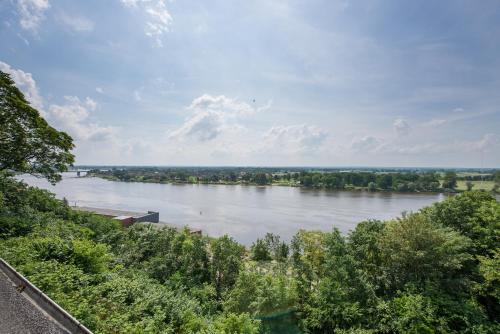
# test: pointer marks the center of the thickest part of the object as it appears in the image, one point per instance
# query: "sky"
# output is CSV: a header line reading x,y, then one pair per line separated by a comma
x,y
262,82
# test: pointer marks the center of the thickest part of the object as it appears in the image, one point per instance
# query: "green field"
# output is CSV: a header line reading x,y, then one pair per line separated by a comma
x,y
478,185
462,174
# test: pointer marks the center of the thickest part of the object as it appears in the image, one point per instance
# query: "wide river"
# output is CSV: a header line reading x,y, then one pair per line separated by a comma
x,y
243,212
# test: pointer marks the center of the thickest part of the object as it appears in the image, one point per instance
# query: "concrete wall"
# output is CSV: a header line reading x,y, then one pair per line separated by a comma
x,y
125,220
43,301
152,217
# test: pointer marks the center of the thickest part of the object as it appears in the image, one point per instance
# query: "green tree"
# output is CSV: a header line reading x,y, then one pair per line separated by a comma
x,y
469,185
261,179
343,297
474,214
410,313
372,186
496,177
227,257
231,323
415,251
365,247
384,181
277,249
167,255
308,257
28,143
489,286
262,294
260,251
450,180
306,181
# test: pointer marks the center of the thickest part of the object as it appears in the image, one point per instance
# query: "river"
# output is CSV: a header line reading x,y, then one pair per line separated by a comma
x,y
243,212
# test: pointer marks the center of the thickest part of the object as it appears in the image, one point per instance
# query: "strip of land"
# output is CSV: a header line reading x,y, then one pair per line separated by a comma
x,y
388,180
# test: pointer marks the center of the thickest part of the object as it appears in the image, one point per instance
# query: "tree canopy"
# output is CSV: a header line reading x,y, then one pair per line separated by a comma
x,y
28,143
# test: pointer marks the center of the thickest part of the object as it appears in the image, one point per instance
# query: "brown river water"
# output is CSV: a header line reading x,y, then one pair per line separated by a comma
x,y
243,212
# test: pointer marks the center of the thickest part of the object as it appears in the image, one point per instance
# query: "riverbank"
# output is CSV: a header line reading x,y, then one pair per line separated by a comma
x,y
461,186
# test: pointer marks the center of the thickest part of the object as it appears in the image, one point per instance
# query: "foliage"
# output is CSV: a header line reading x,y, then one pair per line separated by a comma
x,y
270,248
236,323
489,284
473,214
227,258
166,255
28,143
433,271
260,251
416,252
410,313
370,179
450,180
262,294
469,185
343,296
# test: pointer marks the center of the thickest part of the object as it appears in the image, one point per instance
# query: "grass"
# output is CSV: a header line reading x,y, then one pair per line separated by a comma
x,y
462,174
478,185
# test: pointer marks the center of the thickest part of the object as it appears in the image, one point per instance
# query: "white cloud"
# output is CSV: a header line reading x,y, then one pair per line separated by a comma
x,y
138,94
158,20
76,23
99,90
21,37
488,142
73,118
434,123
221,103
203,126
213,115
25,82
401,127
32,13
365,144
293,139
130,3
91,104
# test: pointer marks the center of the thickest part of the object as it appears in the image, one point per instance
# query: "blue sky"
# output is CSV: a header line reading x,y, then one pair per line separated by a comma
x,y
319,83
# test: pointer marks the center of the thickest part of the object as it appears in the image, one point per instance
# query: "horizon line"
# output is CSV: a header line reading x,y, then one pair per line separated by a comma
x,y
282,166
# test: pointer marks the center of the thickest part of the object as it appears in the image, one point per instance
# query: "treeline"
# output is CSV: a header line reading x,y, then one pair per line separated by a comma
x,y
434,271
383,181
373,181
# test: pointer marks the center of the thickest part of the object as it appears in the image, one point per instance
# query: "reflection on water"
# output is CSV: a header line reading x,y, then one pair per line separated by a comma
x,y
244,212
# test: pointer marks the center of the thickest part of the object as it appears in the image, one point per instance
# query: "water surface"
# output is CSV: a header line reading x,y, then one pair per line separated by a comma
x,y
243,212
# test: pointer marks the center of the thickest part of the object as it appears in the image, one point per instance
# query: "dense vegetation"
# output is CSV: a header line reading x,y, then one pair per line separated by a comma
x,y
434,271
383,180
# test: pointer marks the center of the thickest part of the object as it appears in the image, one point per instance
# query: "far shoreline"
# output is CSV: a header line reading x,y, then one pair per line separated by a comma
x,y
347,189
